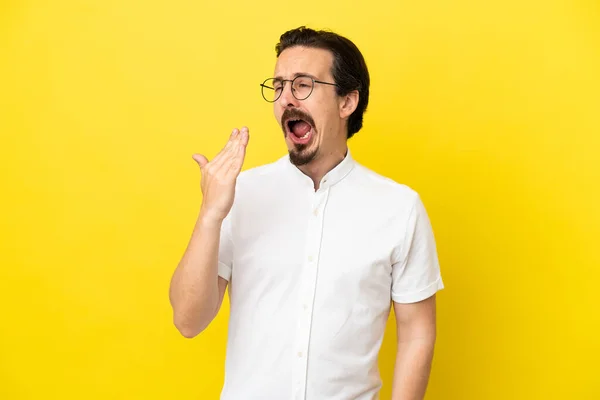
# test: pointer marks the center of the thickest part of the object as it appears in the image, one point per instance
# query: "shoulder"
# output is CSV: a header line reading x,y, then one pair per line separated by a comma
x,y
261,173
384,188
259,180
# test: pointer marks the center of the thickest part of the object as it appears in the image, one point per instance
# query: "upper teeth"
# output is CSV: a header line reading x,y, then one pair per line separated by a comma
x,y
306,134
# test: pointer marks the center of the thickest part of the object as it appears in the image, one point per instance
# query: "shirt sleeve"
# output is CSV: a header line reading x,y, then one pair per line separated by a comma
x,y
415,266
225,258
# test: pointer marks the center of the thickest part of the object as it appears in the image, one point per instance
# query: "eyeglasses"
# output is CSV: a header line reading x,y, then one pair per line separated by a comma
x,y
302,87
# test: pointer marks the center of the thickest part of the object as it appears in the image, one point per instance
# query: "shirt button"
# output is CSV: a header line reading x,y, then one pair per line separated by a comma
x,y
299,354
316,212
310,258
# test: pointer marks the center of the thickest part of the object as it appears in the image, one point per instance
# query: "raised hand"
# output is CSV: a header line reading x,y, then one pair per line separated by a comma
x,y
218,176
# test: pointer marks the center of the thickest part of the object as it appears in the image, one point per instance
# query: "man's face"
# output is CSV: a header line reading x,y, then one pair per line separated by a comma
x,y
313,126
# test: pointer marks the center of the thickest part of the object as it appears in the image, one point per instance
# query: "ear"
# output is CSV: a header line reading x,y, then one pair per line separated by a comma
x,y
348,104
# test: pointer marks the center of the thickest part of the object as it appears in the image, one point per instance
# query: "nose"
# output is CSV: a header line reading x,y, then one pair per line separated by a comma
x,y
287,99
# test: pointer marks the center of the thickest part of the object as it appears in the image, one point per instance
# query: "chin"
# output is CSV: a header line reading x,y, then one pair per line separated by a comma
x,y
302,154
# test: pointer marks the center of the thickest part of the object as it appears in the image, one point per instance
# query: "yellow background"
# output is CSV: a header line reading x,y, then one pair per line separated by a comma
x,y
489,109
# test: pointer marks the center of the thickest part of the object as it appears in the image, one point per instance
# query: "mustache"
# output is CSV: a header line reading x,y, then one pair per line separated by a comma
x,y
294,113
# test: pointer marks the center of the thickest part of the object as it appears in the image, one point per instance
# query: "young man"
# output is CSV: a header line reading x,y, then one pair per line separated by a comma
x,y
315,247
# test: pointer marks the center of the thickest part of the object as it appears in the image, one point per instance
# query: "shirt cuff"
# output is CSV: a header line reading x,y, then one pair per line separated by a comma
x,y
224,271
419,295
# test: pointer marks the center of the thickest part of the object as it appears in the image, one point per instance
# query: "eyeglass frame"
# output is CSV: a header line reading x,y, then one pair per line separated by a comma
x,y
283,81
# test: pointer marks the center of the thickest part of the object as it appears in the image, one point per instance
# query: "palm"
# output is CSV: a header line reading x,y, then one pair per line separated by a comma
x,y
220,174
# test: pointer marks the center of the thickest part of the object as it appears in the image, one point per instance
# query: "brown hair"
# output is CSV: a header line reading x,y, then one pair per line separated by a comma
x,y
349,68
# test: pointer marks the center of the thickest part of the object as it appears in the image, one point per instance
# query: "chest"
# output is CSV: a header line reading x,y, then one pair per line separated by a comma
x,y
341,245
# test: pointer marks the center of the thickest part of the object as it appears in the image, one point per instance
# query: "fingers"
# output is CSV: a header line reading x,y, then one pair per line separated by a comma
x,y
232,153
237,159
245,136
200,159
231,150
225,153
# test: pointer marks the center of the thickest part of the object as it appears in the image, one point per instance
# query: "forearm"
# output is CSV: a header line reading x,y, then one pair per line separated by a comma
x,y
412,369
194,291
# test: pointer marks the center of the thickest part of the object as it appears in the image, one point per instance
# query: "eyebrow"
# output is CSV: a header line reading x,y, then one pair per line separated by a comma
x,y
298,74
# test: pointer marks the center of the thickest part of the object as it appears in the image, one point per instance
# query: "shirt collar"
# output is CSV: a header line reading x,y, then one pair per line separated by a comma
x,y
332,177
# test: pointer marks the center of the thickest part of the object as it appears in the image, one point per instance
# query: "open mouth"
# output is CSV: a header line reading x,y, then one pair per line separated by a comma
x,y
299,131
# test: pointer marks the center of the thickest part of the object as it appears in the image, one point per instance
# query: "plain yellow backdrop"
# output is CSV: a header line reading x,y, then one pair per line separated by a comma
x,y
489,109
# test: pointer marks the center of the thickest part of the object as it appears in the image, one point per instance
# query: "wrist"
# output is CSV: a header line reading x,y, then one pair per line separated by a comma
x,y
208,219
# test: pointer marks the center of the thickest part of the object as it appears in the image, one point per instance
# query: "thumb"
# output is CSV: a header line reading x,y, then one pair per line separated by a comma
x,y
200,159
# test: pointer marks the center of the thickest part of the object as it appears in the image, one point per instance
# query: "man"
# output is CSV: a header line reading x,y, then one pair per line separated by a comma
x,y
315,247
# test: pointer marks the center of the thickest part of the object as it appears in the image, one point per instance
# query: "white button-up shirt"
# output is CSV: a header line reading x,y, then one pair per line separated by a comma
x,y
311,278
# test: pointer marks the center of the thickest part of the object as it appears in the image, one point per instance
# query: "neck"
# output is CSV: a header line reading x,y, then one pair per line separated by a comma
x,y
322,164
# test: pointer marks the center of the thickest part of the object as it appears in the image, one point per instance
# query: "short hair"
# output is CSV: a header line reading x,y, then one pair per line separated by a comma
x,y
349,68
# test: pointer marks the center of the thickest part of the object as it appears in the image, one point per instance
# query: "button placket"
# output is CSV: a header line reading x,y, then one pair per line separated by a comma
x,y
307,291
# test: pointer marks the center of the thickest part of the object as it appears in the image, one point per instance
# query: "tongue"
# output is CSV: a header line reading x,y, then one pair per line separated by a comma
x,y
300,128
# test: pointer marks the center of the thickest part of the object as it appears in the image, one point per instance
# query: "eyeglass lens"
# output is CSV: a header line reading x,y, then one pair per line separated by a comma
x,y
272,88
